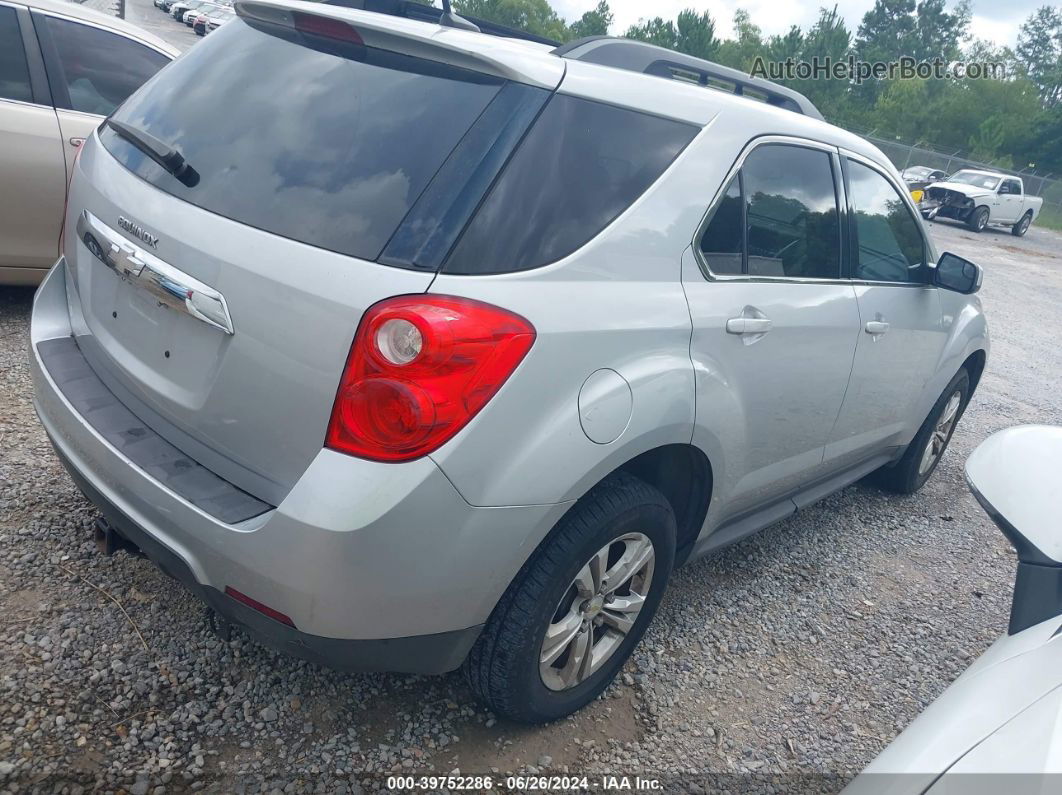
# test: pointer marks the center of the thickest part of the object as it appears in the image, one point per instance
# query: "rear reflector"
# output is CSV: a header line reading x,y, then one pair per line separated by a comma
x,y
265,610
420,369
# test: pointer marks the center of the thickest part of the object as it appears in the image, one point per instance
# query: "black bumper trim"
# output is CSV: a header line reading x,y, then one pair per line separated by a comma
x,y
112,419
420,654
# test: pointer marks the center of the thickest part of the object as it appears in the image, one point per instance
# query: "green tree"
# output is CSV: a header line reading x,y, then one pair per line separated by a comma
x,y
1043,147
1040,52
595,22
887,30
534,16
693,33
896,28
829,38
741,51
696,34
936,32
656,31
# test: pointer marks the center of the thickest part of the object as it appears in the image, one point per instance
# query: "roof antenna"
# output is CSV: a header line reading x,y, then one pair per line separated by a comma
x,y
452,20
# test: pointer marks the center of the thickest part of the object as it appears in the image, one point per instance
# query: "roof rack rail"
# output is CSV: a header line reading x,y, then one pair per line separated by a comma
x,y
410,9
640,56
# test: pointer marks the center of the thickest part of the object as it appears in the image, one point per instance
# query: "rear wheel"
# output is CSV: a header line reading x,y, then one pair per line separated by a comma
x,y
1019,229
979,220
579,606
924,452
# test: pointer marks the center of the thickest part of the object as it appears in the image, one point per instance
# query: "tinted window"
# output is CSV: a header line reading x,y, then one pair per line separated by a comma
x,y
890,246
791,207
14,75
99,69
324,142
581,165
1010,186
723,239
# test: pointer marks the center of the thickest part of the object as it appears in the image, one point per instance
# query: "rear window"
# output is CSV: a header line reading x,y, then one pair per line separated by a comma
x,y
580,166
326,143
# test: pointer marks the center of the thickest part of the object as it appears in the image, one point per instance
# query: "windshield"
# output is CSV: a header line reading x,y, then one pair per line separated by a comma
x,y
976,179
917,171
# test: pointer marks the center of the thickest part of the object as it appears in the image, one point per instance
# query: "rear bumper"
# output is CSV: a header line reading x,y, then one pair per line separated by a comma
x,y
379,566
428,654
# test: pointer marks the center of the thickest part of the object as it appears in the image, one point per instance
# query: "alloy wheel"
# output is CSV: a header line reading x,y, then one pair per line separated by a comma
x,y
938,439
597,611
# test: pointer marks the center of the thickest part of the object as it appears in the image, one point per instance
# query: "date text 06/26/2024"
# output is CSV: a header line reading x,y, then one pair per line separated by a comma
x,y
608,783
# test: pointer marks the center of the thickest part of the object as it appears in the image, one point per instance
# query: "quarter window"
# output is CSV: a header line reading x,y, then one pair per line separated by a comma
x,y
580,166
14,74
99,69
890,246
778,218
724,238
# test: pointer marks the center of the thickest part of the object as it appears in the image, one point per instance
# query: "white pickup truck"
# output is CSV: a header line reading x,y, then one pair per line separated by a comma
x,y
980,198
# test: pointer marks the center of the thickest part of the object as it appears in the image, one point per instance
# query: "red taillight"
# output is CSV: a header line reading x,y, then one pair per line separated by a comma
x,y
265,610
420,368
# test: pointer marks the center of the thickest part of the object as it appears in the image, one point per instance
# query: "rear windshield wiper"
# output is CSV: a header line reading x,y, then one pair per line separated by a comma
x,y
161,152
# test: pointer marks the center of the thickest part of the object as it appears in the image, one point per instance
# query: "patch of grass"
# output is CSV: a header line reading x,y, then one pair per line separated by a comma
x,y
1050,217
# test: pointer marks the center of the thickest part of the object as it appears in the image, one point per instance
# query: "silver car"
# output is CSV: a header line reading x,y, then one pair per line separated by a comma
x,y
407,347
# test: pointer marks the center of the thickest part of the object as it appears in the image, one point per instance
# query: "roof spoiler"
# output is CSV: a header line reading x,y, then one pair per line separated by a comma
x,y
410,9
446,45
639,56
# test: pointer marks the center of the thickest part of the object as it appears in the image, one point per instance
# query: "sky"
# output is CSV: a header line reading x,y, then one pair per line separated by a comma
x,y
994,20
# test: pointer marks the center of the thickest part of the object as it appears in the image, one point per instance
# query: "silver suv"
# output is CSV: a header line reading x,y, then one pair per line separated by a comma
x,y
407,347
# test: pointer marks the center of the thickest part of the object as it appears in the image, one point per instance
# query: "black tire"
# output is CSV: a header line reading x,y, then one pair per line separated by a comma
x,y
1019,229
978,220
906,476
503,667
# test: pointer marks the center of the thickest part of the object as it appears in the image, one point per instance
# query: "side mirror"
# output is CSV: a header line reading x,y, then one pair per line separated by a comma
x,y
1015,475
958,274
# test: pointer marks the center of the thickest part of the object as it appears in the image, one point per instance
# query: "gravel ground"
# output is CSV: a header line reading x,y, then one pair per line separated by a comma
x,y
786,662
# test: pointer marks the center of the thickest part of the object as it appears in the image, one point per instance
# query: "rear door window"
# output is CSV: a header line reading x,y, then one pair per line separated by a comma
x,y
580,166
778,217
322,141
97,69
791,210
14,74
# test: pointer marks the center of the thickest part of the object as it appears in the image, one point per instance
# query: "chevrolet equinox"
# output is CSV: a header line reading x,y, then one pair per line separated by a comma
x,y
408,347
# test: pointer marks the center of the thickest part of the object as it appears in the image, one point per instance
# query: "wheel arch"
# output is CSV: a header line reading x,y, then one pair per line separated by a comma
x,y
683,474
975,366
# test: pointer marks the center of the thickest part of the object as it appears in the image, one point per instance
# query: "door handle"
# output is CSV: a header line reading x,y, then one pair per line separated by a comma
x,y
876,327
76,141
748,325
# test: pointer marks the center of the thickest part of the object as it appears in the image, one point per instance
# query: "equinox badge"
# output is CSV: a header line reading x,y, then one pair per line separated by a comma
x,y
137,231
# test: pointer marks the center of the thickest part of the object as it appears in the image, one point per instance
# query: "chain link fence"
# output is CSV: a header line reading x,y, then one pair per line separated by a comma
x,y
1045,185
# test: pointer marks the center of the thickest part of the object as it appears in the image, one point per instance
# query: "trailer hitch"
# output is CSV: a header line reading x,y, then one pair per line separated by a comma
x,y
109,540
219,625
